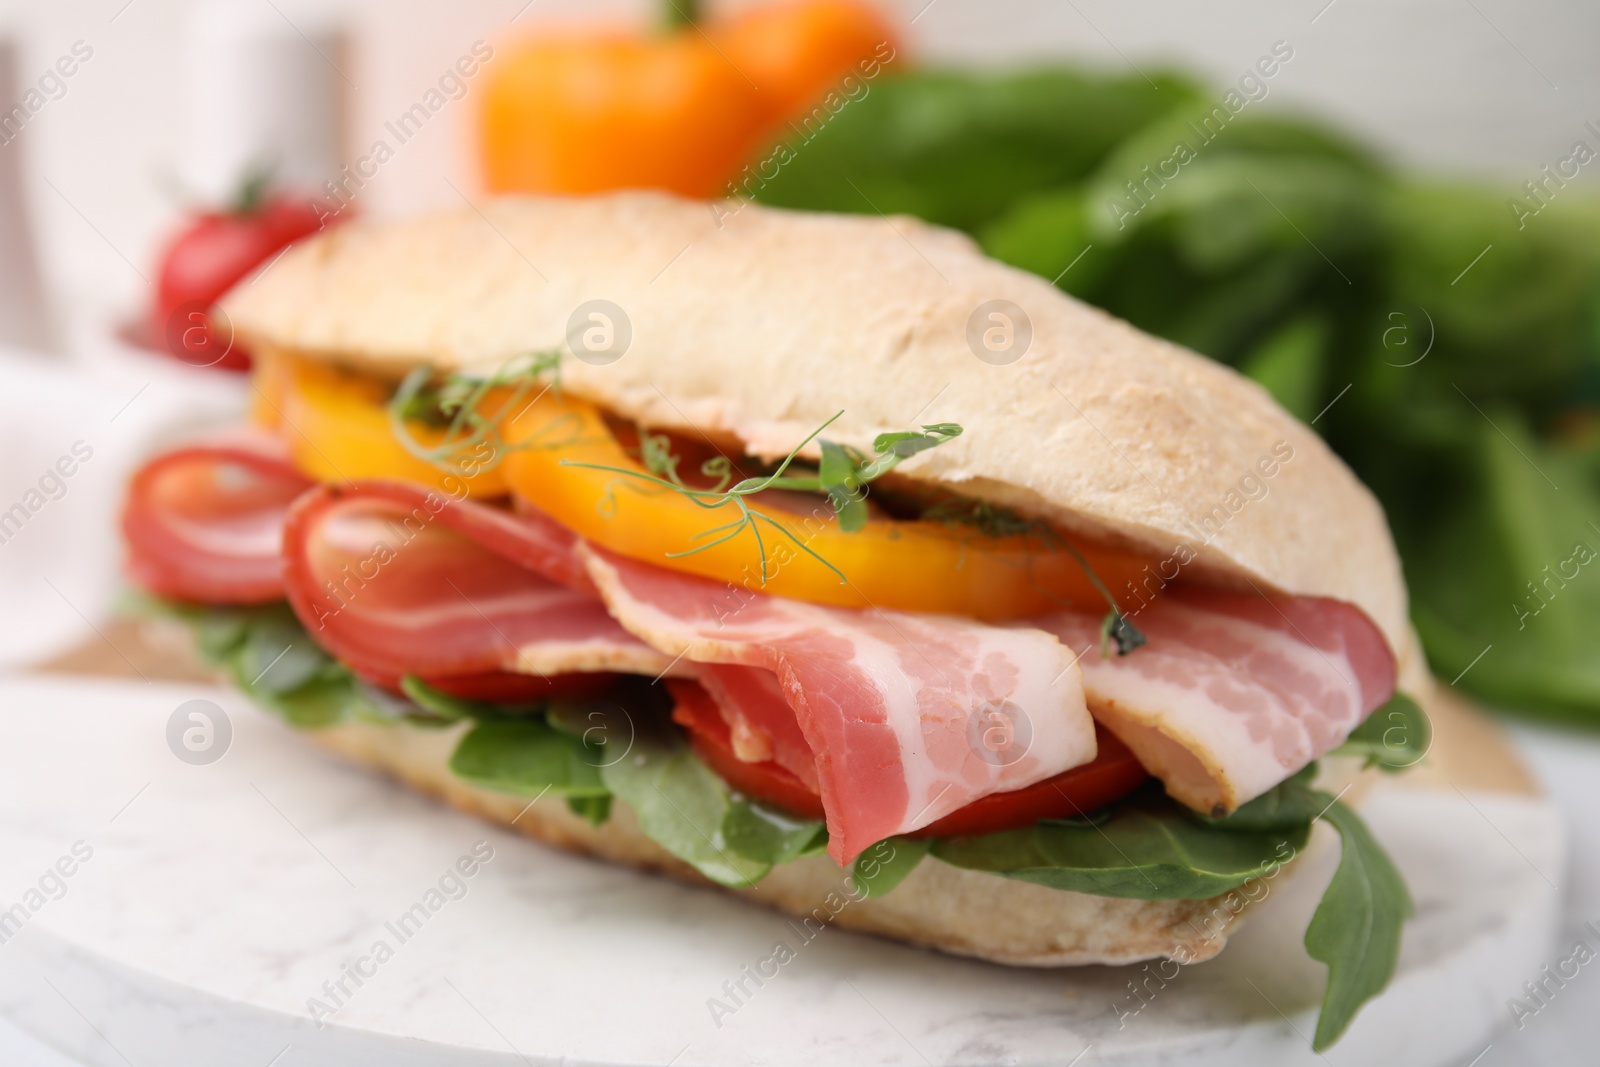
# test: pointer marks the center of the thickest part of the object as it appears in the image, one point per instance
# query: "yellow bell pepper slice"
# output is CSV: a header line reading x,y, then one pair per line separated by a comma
x,y
336,425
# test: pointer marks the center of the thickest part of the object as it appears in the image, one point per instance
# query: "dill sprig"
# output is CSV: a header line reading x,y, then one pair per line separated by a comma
x,y
452,403
842,475
992,520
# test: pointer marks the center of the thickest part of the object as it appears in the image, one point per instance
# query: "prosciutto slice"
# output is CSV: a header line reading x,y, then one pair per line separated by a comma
x,y
908,717
1235,691
397,580
205,523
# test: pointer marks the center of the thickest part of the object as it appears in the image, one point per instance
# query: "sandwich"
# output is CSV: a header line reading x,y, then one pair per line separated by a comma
x,y
818,558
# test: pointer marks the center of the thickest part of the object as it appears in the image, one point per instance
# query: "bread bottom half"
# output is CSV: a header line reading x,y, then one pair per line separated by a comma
x,y
968,913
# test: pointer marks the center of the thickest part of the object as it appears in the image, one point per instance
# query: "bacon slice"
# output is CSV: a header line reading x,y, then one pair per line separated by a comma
x,y
909,717
205,523
396,580
1235,691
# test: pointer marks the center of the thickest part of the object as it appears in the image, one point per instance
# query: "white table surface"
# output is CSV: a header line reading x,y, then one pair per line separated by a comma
x,y
1565,1033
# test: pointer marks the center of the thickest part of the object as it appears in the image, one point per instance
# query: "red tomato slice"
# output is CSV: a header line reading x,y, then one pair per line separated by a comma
x,y
696,712
1113,774
212,254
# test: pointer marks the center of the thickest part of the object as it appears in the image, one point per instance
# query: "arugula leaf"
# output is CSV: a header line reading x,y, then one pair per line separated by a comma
x,y
324,700
886,864
1394,737
1290,804
381,706
1147,848
595,809
434,707
445,706
272,660
218,633
764,834
682,806
1151,849
1356,927
276,655
590,751
526,756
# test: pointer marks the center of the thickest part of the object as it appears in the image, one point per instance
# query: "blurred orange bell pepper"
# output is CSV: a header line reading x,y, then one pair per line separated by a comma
x,y
798,50
680,110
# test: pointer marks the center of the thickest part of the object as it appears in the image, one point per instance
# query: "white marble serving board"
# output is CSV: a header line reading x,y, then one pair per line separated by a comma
x,y
219,898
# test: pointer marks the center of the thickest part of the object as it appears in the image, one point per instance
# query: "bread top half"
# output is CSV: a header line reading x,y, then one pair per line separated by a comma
x,y
759,324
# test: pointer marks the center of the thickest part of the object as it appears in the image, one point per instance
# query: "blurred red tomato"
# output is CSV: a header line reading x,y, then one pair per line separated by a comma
x,y
208,257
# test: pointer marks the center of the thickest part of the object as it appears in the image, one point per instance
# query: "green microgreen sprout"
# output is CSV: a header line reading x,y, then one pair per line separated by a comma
x,y
842,474
472,438
655,452
992,520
